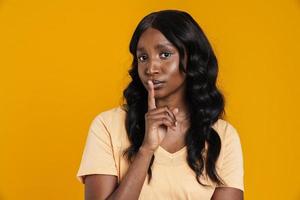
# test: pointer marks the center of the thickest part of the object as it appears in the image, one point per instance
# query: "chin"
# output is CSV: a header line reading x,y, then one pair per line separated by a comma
x,y
159,94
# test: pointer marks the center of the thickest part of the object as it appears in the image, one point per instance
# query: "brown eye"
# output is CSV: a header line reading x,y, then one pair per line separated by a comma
x,y
165,54
142,58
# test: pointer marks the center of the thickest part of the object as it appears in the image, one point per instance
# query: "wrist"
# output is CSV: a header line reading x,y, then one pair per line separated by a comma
x,y
146,151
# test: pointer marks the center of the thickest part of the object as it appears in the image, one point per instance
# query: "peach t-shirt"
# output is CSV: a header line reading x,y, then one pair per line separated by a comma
x,y
172,178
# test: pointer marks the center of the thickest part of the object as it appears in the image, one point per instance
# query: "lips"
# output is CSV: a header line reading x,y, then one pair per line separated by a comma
x,y
157,81
157,84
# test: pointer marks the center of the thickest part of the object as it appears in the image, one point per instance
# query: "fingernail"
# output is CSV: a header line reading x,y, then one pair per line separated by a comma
x,y
176,110
176,123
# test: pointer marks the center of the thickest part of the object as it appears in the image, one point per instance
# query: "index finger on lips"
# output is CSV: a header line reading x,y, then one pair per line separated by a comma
x,y
151,99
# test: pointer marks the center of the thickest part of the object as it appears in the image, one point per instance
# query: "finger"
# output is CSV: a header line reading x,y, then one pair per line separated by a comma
x,y
161,113
151,99
175,111
165,122
172,113
160,116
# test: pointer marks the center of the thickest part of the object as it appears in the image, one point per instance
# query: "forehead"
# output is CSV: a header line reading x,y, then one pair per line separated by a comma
x,y
152,38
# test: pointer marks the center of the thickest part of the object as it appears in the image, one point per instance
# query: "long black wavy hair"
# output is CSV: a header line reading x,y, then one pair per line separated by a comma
x,y
205,101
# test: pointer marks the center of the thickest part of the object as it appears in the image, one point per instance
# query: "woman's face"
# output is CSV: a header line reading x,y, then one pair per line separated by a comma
x,y
158,61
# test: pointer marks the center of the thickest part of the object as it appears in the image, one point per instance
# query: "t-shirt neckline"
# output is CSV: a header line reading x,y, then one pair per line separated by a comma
x,y
162,156
172,155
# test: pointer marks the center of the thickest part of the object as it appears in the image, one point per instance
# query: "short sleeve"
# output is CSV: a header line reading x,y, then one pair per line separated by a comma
x,y
232,167
97,156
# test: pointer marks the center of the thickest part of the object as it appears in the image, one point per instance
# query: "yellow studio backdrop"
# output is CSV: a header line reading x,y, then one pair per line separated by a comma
x,y
62,62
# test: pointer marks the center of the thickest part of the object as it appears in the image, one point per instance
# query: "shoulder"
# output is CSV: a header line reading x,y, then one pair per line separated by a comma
x,y
226,130
108,120
111,122
115,114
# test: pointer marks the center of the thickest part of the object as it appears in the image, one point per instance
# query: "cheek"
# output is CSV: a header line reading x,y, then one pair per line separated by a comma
x,y
173,69
139,71
173,64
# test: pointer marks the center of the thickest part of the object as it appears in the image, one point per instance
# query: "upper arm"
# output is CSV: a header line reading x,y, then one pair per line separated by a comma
x,y
231,169
98,165
227,193
99,186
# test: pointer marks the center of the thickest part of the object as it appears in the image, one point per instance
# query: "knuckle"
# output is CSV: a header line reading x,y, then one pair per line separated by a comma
x,y
166,120
152,110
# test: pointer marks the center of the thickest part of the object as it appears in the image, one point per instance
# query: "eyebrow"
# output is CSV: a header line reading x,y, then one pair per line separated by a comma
x,y
157,47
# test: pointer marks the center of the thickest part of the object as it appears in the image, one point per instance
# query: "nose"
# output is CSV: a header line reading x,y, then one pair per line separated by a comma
x,y
152,67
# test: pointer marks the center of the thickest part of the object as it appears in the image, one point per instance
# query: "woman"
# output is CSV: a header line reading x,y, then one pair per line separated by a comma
x,y
168,140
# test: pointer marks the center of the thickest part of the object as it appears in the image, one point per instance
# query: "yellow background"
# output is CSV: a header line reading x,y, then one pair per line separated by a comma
x,y
62,62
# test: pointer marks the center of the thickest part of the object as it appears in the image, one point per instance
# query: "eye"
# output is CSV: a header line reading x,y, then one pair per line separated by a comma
x,y
141,58
165,54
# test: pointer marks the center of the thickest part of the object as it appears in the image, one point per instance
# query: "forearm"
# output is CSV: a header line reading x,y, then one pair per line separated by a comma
x,y
132,183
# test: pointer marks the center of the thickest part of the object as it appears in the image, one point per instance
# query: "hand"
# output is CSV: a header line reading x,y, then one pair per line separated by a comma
x,y
157,121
